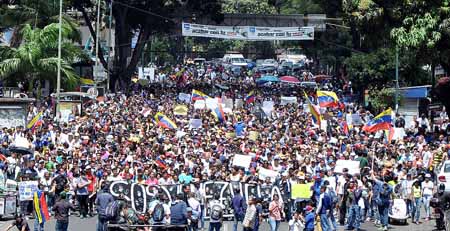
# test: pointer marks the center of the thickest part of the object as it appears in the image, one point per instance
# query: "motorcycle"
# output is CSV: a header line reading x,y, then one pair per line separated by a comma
x,y
441,205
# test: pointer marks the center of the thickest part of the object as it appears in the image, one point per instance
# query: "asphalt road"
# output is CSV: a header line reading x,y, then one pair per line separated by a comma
x,y
77,224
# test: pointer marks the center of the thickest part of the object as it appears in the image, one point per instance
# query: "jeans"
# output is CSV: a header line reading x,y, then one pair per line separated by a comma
x,y
342,213
374,214
325,222
37,226
61,225
354,217
83,201
274,224
332,220
202,217
237,218
416,209
91,202
215,226
101,224
383,210
426,204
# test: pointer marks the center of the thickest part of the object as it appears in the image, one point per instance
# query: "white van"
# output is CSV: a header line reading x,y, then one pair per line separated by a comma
x,y
234,60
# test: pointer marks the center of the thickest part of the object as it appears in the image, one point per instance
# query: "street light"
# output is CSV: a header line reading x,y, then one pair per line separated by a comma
x,y
58,78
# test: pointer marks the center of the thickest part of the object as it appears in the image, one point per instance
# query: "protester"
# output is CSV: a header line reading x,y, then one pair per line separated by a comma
x,y
239,207
216,216
309,218
178,213
250,217
103,199
275,213
61,209
20,223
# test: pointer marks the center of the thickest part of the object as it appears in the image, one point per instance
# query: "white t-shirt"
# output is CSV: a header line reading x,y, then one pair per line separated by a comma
x,y
427,188
341,182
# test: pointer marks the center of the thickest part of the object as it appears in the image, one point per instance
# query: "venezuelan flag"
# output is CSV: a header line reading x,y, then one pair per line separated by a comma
x,y
251,97
218,111
161,163
390,134
380,122
164,121
344,127
314,111
36,121
40,207
327,99
198,95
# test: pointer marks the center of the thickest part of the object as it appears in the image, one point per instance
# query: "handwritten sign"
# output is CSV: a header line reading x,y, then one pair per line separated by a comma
x,y
242,160
302,191
27,189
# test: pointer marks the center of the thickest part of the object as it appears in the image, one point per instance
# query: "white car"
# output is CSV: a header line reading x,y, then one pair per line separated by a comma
x,y
443,175
269,63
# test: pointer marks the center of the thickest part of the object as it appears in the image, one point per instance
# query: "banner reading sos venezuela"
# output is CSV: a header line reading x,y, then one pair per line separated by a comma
x,y
248,32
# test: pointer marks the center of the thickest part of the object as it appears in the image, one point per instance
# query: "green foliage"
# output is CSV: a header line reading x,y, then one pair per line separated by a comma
x,y
36,57
247,7
383,98
377,69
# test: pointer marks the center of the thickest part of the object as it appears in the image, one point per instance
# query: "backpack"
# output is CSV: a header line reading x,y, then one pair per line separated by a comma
x,y
158,213
112,210
216,212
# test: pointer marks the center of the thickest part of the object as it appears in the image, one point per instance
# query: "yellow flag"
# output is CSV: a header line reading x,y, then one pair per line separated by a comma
x,y
180,110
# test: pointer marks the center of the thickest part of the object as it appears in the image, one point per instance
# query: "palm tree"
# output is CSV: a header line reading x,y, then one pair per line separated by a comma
x,y
36,58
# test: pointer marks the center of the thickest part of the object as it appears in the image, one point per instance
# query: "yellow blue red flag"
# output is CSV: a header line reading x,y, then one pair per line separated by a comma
x,y
327,99
382,121
164,121
198,95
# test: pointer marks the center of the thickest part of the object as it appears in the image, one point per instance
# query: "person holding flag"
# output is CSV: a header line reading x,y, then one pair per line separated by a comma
x,y
315,113
164,121
383,121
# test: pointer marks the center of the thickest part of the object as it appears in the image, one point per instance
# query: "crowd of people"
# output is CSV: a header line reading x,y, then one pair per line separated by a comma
x,y
117,137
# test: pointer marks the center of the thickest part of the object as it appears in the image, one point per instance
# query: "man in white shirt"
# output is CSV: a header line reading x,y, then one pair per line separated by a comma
x,y
427,193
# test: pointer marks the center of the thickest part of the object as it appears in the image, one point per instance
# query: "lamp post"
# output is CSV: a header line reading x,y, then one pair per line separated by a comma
x,y
97,40
396,79
58,78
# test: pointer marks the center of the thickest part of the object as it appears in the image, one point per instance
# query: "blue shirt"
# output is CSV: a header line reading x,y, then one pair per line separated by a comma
x,y
102,201
309,220
178,213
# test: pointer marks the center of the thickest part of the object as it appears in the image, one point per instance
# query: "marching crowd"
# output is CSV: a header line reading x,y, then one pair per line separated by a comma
x,y
117,137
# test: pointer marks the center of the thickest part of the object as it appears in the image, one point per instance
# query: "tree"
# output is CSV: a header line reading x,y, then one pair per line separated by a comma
x,y
142,19
36,58
442,91
15,15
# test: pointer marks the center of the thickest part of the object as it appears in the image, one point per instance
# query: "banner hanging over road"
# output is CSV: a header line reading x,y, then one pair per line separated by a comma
x,y
253,33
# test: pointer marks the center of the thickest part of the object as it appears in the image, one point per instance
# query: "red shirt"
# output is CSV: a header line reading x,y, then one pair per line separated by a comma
x,y
92,184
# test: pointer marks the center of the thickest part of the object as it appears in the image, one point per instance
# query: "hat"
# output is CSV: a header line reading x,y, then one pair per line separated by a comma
x,y
308,208
188,209
427,175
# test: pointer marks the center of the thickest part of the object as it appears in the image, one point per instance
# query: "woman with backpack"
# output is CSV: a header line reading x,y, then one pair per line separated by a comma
x,y
275,213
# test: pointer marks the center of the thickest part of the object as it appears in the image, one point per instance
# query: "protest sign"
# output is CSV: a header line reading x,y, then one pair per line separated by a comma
x,y
238,103
288,100
180,110
242,160
253,135
228,103
301,191
199,104
195,123
184,97
351,165
211,103
399,133
27,189
356,120
230,135
263,173
267,107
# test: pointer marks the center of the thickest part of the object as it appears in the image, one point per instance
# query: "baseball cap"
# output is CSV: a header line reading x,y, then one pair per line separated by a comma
x,y
308,208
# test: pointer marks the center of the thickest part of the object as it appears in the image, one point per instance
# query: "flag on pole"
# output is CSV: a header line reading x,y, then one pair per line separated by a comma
x,y
36,121
218,111
314,111
251,97
327,99
164,121
198,95
40,207
380,122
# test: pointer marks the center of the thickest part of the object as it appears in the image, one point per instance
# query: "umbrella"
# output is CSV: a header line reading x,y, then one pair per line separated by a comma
x,y
267,78
289,79
21,150
319,78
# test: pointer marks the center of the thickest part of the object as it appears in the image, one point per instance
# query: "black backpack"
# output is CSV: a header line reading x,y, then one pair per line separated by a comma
x,y
112,210
158,213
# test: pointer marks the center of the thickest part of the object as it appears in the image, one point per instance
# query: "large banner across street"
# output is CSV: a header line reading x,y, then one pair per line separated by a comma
x,y
255,33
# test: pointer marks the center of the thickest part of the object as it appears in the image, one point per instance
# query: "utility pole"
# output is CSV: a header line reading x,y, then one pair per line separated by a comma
x,y
58,78
97,41
396,79
109,45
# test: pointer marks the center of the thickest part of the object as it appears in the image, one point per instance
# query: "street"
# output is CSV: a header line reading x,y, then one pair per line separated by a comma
x,y
77,224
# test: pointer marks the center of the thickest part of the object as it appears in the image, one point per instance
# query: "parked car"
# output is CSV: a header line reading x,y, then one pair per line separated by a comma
x,y
443,175
269,63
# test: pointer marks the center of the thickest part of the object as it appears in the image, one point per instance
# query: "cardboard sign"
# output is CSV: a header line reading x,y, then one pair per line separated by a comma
x,y
195,123
183,97
180,110
263,173
288,100
351,165
301,191
27,189
242,160
253,135
199,104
